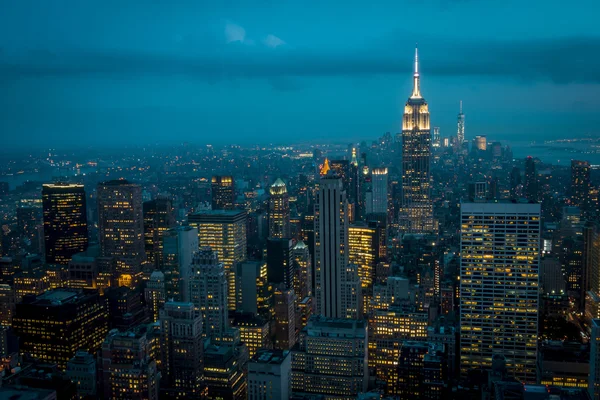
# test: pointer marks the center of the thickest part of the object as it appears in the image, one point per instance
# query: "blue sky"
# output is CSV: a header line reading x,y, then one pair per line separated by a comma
x,y
78,73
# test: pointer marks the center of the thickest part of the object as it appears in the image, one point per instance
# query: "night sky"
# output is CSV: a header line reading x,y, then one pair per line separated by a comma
x,y
79,73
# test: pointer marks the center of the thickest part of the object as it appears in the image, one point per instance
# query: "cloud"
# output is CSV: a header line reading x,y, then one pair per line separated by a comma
x,y
569,60
234,33
273,41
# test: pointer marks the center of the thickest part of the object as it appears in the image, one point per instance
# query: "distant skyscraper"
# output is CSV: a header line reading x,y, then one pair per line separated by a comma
x,y
208,292
279,211
379,187
253,290
437,140
580,184
331,245
303,268
223,193
480,143
499,242
460,132
65,221
224,232
182,349
417,207
179,245
121,226
285,318
530,187
158,217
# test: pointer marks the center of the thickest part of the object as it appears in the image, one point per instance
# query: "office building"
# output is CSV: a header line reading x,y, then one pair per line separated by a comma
x,y
285,318
208,292
223,192
594,377
480,143
179,245
460,132
7,304
280,265
225,233
379,188
499,285
81,369
155,294
279,211
269,373
417,206
530,185
422,371
331,358
331,245
182,349
303,269
158,217
65,221
580,184
254,331
254,293
55,324
121,227
363,250
224,371
125,308
129,365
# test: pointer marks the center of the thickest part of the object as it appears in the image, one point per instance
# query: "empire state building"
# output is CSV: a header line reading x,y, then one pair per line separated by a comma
x,y
417,208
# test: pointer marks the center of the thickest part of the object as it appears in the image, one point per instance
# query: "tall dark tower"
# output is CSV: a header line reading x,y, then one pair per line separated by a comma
x,y
223,192
158,217
580,184
460,131
65,221
531,181
417,207
279,211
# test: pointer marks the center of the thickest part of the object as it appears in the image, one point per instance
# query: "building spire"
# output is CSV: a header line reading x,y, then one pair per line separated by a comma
x,y
416,89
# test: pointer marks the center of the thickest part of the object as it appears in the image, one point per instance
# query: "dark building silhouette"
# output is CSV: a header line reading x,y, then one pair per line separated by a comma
x,y
158,217
54,325
223,192
65,221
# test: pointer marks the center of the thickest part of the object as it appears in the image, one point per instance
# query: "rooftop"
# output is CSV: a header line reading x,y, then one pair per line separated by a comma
x,y
270,356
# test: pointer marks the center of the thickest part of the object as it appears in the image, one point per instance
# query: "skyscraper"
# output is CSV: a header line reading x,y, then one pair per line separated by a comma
x,y
158,217
279,211
594,378
208,292
280,266
155,294
55,324
331,358
331,245
182,349
223,193
179,245
285,318
499,276
129,367
121,226
65,221
225,233
417,207
530,187
460,132
580,184
379,187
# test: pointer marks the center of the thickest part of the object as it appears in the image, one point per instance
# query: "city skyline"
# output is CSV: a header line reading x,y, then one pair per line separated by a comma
x,y
180,77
